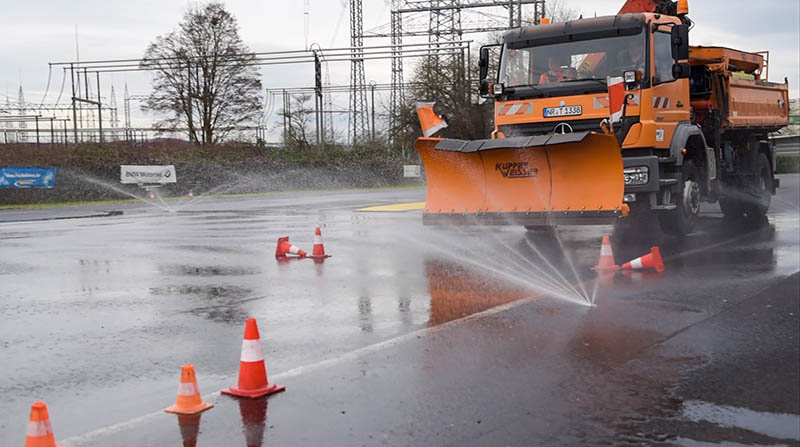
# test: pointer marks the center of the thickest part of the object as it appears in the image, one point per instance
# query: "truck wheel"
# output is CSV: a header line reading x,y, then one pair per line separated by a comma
x,y
760,191
682,219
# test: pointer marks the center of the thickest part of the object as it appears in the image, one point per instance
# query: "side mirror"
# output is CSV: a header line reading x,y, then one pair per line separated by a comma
x,y
681,70
483,63
680,42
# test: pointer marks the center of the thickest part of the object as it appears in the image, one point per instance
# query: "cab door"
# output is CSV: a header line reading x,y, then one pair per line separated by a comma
x,y
668,99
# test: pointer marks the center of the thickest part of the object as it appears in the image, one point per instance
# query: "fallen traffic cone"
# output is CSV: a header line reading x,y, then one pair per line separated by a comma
x,y
651,260
286,248
428,119
191,195
40,433
606,261
319,250
188,400
253,381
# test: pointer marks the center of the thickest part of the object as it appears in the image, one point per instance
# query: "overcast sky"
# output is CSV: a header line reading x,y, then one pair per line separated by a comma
x,y
33,33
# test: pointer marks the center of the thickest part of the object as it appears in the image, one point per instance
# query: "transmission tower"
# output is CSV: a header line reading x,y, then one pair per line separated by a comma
x,y
358,131
23,137
397,98
112,104
328,129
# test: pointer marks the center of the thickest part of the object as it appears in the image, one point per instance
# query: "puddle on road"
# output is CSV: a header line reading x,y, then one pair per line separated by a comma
x,y
775,425
207,270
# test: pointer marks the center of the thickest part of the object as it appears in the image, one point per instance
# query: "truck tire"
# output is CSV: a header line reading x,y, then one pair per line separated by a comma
x,y
683,218
760,191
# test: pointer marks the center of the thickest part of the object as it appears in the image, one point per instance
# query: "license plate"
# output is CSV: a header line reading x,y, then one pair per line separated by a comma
x,y
552,112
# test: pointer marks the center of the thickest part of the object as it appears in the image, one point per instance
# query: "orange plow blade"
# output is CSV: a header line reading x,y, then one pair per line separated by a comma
x,y
543,180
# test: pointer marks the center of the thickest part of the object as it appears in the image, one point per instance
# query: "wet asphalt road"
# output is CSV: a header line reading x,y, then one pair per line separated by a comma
x,y
406,336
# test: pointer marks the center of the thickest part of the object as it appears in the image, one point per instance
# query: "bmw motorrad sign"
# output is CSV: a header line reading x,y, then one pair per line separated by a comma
x,y
147,175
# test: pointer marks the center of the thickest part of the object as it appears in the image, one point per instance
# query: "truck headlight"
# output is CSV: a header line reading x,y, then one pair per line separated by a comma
x,y
637,175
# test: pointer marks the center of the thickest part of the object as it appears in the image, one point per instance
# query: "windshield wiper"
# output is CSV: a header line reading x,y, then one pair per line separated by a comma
x,y
599,81
512,90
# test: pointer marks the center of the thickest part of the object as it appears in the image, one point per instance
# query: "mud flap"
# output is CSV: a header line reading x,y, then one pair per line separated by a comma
x,y
545,180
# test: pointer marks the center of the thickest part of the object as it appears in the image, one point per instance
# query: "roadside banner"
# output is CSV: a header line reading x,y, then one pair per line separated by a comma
x,y
29,177
130,174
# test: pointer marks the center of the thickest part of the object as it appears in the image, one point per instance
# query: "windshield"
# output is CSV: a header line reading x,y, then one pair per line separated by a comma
x,y
569,61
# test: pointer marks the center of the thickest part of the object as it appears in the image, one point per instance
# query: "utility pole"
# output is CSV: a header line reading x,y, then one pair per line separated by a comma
x,y
99,110
318,104
372,88
75,104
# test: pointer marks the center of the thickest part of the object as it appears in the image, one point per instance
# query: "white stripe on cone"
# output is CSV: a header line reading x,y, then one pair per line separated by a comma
x,y
294,250
636,263
187,389
251,351
39,428
317,239
605,250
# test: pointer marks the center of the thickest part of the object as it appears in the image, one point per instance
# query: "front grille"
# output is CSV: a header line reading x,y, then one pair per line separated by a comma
x,y
532,129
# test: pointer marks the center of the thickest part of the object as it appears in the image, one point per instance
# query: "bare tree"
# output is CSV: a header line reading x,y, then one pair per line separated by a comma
x,y
560,11
204,80
297,115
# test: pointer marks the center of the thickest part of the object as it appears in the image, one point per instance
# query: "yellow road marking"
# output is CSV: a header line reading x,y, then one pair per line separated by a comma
x,y
413,206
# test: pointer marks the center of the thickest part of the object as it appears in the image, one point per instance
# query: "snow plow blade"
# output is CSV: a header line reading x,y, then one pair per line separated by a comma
x,y
567,179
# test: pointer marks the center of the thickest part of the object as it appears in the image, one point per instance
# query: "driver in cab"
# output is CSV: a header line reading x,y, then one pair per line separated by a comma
x,y
556,72
633,57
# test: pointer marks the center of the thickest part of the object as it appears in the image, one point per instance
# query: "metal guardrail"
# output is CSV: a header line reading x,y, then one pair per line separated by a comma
x,y
789,144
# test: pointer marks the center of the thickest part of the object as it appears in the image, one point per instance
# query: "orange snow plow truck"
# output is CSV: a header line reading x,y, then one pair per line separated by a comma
x,y
692,125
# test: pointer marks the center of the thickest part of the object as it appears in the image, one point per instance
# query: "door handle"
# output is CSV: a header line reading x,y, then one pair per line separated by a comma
x,y
679,105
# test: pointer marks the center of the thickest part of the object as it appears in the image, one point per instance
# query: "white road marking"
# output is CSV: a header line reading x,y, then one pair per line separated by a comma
x,y
88,437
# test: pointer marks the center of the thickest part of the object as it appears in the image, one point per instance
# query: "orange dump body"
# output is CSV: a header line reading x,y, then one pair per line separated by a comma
x,y
739,89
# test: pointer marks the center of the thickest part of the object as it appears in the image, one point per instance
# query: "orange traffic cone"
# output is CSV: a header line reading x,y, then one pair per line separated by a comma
x,y
191,195
319,250
152,196
253,381
428,119
40,433
606,261
651,260
286,248
188,400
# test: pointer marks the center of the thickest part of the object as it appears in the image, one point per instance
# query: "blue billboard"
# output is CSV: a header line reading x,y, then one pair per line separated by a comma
x,y
14,177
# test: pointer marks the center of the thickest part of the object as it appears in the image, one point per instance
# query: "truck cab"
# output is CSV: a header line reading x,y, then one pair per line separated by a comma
x,y
553,79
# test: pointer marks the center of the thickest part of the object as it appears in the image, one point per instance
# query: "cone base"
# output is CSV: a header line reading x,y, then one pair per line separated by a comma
x,y
319,256
174,409
606,268
254,394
